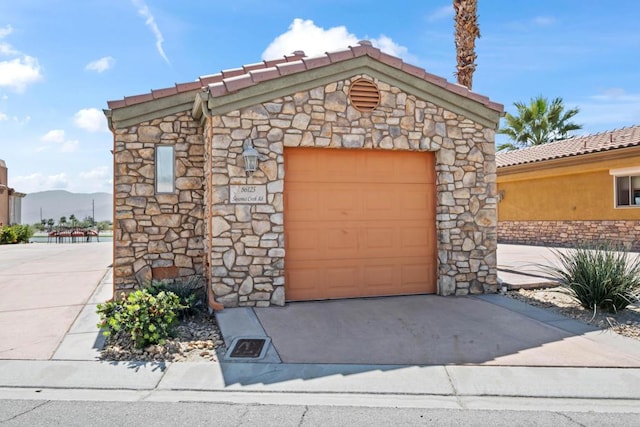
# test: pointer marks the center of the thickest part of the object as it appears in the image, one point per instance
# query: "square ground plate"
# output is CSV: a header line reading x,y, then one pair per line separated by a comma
x,y
248,348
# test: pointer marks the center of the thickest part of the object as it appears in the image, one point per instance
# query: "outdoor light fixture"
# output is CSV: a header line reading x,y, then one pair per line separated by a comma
x,y
250,156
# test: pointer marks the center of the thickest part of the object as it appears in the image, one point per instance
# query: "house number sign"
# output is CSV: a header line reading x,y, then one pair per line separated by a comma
x,y
245,194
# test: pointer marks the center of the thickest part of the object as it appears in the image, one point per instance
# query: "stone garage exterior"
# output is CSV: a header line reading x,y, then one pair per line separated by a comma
x,y
205,225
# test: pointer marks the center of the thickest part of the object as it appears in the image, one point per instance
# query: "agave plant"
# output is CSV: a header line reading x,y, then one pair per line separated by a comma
x,y
603,277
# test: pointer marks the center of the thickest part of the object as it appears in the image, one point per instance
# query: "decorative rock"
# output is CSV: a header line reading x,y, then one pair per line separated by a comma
x,y
243,213
149,134
220,225
256,112
260,227
247,286
167,220
277,297
336,101
143,276
301,121
229,258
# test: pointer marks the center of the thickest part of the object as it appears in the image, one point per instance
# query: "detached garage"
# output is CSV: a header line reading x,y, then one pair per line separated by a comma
x,y
359,223
346,175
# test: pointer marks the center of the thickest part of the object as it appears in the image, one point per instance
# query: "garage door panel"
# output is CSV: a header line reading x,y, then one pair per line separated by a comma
x,y
380,275
416,201
362,223
416,237
377,238
341,240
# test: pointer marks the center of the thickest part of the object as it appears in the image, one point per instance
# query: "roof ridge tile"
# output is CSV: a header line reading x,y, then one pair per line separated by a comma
x,y
231,80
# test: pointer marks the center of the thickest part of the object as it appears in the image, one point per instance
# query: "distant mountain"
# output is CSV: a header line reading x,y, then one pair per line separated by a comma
x,y
59,203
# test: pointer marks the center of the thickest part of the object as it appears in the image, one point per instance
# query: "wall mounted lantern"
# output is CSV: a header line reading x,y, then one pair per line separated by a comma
x,y
250,156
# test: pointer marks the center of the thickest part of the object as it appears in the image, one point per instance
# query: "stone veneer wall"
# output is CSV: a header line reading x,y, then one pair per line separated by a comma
x,y
247,241
158,236
568,233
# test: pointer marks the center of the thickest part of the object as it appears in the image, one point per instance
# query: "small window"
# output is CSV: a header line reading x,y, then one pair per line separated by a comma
x,y
627,190
164,169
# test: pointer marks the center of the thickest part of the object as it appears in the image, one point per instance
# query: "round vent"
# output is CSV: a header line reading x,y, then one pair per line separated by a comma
x,y
364,95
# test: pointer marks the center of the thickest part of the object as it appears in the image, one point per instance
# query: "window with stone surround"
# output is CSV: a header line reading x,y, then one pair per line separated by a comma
x,y
626,185
165,175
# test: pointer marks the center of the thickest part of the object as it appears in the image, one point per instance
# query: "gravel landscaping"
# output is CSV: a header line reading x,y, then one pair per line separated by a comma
x,y
197,339
625,322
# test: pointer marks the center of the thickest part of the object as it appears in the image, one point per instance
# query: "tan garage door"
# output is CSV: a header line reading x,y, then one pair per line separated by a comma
x,y
359,223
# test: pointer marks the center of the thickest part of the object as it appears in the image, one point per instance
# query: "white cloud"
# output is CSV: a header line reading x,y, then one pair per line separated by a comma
x,y
6,49
56,135
90,119
616,94
543,21
101,172
313,40
3,117
18,72
69,146
387,45
150,21
612,108
40,182
101,65
441,13
5,31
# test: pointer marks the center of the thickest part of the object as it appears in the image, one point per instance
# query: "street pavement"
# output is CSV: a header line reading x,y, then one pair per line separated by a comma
x,y
65,367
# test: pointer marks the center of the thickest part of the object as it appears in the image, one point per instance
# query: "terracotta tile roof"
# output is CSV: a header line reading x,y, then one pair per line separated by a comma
x,y
611,140
228,81
202,81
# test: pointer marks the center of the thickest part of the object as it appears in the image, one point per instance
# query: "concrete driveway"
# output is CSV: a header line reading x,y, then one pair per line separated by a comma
x,y
433,330
44,288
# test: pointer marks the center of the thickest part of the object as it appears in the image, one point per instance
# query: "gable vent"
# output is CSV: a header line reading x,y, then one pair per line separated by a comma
x,y
364,95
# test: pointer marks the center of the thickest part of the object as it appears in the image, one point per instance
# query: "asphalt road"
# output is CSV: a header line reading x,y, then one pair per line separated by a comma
x,y
75,413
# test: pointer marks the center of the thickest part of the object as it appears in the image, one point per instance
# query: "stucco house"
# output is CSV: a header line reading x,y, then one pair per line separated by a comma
x,y
10,199
373,177
579,190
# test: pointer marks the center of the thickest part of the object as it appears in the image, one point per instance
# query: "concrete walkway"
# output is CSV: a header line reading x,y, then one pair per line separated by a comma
x,y
44,288
72,371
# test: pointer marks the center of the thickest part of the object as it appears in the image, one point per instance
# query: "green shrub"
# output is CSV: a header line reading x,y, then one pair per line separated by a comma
x,y
145,318
15,234
191,292
600,277
23,233
8,235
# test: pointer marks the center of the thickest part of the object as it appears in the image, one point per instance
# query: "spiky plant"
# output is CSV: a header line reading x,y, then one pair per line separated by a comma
x,y
603,276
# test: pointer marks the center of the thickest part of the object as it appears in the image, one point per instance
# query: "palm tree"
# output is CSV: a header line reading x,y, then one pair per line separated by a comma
x,y
50,223
63,220
538,123
72,218
466,32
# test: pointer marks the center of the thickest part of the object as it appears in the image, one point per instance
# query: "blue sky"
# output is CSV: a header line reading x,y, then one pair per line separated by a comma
x,y
61,60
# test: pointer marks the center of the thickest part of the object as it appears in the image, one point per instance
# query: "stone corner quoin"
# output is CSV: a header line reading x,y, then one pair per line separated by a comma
x,y
240,248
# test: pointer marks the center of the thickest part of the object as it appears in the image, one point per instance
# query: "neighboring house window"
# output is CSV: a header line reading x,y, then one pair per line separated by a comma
x,y
626,187
628,190
164,169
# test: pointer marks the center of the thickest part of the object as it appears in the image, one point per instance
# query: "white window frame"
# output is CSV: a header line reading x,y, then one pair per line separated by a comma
x,y
634,194
166,186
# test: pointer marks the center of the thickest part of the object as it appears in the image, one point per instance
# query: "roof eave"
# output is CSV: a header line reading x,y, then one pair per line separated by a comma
x,y
487,115
579,159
